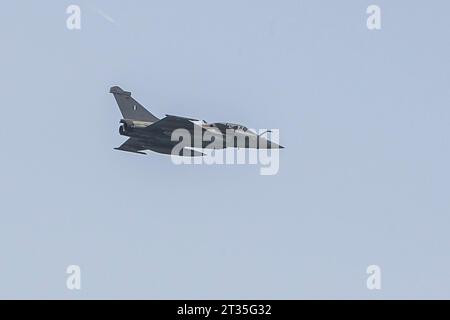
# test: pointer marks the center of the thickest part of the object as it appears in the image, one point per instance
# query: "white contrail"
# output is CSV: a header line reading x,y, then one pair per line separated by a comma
x,y
106,16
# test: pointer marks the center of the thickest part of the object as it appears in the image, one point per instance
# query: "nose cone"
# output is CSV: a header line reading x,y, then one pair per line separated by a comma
x,y
273,145
267,144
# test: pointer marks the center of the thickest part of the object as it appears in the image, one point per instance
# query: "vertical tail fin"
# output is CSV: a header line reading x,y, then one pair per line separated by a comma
x,y
130,108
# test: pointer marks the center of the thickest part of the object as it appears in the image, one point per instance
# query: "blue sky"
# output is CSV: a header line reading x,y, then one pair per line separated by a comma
x,y
363,180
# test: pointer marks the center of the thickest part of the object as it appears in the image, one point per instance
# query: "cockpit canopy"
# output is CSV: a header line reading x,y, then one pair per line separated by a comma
x,y
230,126
236,127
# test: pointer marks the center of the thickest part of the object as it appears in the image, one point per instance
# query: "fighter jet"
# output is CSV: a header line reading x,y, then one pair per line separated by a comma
x,y
147,132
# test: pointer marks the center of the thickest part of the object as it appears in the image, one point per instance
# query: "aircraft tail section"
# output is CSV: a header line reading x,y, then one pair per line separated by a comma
x,y
130,108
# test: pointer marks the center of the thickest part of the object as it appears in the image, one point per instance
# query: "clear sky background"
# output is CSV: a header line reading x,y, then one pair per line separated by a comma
x,y
364,178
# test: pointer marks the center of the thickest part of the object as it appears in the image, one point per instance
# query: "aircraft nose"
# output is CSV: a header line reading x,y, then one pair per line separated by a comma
x,y
267,144
273,145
